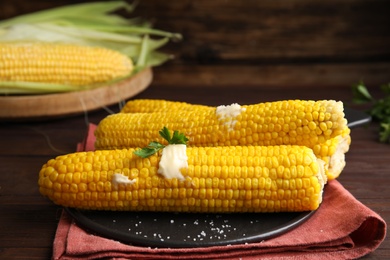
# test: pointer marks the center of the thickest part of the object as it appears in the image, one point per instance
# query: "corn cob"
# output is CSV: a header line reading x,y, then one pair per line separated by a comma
x,y
217,179
61,63
292,122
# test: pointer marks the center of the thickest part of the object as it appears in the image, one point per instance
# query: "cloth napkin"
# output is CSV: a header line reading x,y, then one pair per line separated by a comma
x,y
342,228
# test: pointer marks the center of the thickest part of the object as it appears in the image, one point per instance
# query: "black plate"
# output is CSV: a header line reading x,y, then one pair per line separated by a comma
x,y
163,229
195,230
356,117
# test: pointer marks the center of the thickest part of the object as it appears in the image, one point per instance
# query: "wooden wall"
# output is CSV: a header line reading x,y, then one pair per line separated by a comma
x,y
265,43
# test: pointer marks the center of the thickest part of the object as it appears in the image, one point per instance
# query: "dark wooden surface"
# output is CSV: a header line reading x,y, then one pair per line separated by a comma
x,y
272,43
233,51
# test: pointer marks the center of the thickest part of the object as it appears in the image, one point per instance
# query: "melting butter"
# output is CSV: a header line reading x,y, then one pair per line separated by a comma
x,y
228,114
118,178
173,158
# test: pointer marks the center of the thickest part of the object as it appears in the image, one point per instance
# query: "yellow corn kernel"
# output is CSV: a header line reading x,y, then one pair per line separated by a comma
x,y
208,191
61,63
158,105
332,152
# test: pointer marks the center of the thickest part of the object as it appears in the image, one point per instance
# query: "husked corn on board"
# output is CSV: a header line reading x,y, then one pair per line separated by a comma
x,y
28,107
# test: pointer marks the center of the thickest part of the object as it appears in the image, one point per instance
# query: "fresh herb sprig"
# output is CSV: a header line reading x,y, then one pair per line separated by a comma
x,y
380,108
154,146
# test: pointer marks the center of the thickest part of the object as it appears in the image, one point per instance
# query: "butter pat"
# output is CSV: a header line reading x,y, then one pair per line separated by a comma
x,y
173,158
228,114
118,178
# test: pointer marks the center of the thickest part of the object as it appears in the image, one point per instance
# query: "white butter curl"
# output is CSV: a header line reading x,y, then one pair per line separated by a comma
x,y
173,158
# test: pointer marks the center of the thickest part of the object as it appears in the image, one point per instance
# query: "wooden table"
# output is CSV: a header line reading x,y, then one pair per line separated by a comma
x,y
28,221
232,51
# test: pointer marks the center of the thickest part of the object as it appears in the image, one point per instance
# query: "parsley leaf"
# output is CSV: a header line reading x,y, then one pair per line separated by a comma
x,y
178,138
384,135
361,94
165,133
153,147
380,108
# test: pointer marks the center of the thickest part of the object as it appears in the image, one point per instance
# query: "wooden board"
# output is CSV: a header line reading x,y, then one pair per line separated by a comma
x,y
28,107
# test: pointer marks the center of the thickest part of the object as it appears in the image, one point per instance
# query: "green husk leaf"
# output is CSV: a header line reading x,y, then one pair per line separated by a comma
x,y
110,24
24,87
52,33
157,58
144,52
17,87
97,8
135,49
35,32
92,34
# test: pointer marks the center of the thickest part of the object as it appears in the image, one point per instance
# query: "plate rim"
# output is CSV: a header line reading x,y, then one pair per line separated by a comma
x,y
101,230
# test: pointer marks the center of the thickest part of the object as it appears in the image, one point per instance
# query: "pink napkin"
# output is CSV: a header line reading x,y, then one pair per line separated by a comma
x,y
88,144
342,228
